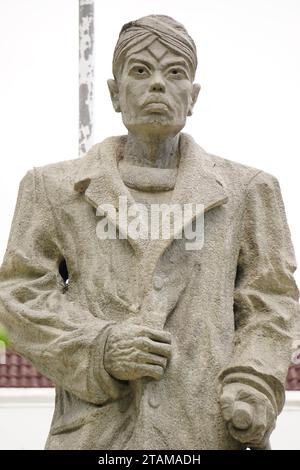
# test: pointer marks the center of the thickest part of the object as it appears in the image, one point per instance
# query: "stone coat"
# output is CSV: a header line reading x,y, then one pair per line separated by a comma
x,y
230,307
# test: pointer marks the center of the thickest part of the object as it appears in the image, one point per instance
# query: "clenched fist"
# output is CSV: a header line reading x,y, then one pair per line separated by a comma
x,y
249,414
135,351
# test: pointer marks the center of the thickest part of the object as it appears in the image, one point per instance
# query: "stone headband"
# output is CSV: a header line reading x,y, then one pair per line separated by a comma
x,y
137,35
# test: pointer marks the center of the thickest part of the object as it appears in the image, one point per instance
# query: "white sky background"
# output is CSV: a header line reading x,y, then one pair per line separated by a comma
x,y
249,69
38,92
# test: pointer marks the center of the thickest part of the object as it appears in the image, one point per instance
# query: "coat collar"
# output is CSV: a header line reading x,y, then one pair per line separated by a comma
x,y
99,182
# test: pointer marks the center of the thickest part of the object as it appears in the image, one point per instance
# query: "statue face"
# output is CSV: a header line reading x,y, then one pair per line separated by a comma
x,y
154,92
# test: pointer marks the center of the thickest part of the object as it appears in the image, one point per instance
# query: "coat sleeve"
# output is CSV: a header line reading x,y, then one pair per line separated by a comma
x,y
266,296
64,341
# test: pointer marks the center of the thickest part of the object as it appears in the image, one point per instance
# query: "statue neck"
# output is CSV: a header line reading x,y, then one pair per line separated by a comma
x,y
152,151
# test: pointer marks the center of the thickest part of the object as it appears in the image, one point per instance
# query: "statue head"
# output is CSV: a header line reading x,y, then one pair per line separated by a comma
x,y
154,67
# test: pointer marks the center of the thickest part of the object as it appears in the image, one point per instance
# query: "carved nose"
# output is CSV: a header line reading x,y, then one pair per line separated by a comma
x,y
158,87
158,84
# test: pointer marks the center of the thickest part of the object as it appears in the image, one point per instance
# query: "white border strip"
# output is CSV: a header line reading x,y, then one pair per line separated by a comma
x,y
292,402
24,397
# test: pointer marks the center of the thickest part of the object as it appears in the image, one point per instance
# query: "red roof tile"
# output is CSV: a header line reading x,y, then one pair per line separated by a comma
x,y
293,378
18,372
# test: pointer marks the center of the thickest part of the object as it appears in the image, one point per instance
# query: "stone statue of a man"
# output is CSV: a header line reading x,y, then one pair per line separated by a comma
x,y
151,344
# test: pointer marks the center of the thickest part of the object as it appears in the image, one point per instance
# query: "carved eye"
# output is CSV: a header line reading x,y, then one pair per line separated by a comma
x,y
139,71
177,73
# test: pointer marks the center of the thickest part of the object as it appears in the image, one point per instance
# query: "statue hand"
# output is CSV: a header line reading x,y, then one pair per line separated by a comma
x,y
135,351
249,414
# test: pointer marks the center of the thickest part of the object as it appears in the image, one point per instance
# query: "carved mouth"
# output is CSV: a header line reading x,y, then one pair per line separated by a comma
x,y
156,106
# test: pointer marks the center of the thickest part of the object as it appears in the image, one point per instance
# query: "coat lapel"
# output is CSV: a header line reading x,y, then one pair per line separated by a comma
x,y
196,185
99,182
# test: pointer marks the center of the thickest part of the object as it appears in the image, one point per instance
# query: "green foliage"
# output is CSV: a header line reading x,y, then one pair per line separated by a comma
x,y
3,335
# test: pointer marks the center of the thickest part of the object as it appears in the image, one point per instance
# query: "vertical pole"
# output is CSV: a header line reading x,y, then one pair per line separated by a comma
x,y
86,74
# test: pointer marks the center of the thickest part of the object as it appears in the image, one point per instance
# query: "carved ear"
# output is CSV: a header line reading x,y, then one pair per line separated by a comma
x,y
195,93
114,94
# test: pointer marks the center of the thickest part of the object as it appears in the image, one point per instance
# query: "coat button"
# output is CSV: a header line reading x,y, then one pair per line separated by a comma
x,y
153,398
158,282
154,401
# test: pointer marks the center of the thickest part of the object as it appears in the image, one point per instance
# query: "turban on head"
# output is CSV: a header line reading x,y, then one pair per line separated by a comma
x,y
139,34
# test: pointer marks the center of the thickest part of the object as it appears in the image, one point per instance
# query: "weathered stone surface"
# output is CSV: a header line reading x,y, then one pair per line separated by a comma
x,y
151,345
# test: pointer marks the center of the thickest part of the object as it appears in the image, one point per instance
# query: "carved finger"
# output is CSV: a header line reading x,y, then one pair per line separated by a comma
x,y
147,345
242,417
227,405
148,358
259,426
157,335
150,370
